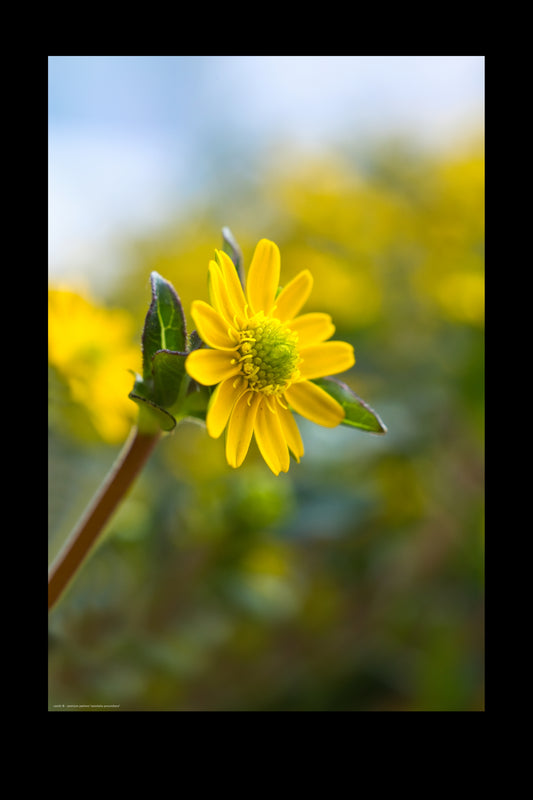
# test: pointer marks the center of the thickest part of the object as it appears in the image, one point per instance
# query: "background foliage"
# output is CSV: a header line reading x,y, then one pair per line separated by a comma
x,y
354,582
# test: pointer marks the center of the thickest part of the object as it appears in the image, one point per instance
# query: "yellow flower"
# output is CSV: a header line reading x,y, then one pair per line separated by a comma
x,y
263,358
93,348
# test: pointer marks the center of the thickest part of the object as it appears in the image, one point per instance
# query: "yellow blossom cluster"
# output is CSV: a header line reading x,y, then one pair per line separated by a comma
x,y
92,348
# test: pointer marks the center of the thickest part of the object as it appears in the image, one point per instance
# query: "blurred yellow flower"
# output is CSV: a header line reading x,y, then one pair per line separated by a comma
x,y
263,358
349,290
461,296
91,347
449,275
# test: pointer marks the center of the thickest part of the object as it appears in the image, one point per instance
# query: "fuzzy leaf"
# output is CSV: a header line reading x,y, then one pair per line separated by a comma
x,y
168,370
151,416
164,326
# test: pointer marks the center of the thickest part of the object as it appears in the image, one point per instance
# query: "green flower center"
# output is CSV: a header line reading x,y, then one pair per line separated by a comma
x,y
268,355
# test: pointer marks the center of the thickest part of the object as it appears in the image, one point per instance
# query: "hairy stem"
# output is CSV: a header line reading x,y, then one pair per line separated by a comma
x,y
134,455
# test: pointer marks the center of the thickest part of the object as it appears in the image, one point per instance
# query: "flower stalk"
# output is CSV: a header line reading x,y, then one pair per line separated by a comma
x,y
113,490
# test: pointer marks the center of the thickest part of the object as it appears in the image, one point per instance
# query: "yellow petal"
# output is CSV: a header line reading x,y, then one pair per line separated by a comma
x,y
291,432
327,358
240,427
294,295
315,404
263,276
218,293
213,328
312,328
211,366
232,281
270,439
221,403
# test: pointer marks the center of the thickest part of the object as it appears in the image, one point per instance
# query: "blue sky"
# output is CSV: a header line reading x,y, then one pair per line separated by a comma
x,y
133,138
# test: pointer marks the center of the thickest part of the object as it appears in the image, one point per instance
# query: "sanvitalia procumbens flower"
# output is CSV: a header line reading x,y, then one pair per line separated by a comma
x,y
263,358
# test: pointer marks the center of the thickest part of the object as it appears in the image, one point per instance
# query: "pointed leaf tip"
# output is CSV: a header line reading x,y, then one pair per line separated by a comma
x,y
358,414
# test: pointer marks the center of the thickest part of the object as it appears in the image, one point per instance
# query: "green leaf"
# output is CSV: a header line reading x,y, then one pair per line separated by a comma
x,y
151,416
358,413
164,326
164,344
165,393
169,376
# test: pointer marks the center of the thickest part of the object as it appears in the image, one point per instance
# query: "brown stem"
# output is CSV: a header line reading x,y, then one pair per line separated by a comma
x,y
134,455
